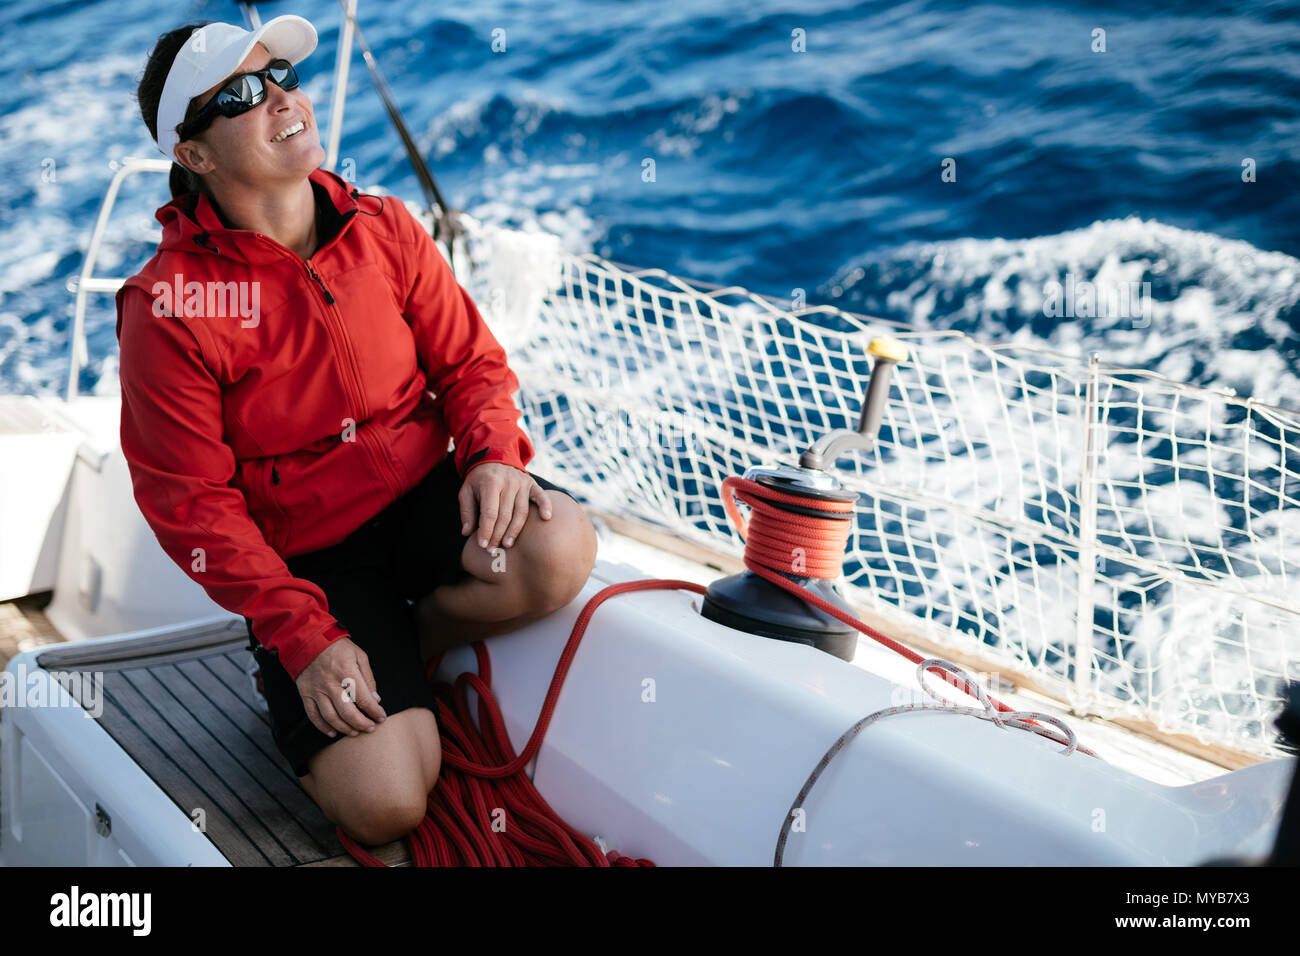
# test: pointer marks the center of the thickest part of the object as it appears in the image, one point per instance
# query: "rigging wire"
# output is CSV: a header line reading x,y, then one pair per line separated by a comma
x,y
447,225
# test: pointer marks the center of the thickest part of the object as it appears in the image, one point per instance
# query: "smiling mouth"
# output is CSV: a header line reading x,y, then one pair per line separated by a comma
x,y
293,130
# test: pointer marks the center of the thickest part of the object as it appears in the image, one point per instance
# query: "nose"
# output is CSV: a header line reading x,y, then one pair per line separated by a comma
x,y
276,98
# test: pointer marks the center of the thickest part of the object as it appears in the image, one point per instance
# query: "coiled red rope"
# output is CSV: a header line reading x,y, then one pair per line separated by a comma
x,y
485,811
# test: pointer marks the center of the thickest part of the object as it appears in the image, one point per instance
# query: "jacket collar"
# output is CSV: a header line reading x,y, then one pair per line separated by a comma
x,y
191,223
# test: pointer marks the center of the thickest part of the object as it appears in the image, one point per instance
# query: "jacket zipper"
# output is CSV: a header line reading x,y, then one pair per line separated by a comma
x,y
376,454
275,502
340,339
312,272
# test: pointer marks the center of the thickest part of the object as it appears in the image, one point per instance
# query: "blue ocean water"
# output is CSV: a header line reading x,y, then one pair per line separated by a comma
x,y
798,149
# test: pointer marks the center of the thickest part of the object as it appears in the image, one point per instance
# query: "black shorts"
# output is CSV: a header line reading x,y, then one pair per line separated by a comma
x,y
370,580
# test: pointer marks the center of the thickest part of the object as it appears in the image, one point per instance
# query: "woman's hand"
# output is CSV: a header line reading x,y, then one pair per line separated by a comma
x,y
495,497
338,690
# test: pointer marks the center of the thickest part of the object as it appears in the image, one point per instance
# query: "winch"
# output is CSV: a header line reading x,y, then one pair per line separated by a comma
x,y
800,521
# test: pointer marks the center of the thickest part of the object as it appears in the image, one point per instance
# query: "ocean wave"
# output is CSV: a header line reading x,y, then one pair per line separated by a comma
x,y
1193,306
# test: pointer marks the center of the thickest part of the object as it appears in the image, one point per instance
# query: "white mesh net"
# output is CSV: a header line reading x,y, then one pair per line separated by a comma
x,y
1130,541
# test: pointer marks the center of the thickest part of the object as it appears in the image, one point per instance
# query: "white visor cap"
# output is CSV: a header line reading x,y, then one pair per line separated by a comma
x,y
213,53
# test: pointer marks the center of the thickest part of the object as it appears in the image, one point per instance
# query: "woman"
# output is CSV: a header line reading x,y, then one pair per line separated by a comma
x,y
278,355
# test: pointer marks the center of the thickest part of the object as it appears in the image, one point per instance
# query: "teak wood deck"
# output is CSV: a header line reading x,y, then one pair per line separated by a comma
x,y
183,707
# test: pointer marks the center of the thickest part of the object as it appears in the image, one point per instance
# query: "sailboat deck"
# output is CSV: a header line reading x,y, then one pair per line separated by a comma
x,y
183,707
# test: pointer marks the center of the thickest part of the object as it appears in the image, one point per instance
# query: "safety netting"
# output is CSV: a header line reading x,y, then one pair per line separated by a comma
x,y
1131,542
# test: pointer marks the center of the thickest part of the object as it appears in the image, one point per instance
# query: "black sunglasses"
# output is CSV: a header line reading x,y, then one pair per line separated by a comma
x,y
240,95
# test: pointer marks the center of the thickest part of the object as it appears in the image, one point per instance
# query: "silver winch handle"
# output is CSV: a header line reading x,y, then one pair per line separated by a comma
x,y
824,451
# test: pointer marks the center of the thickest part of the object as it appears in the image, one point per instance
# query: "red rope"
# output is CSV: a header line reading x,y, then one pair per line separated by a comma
x,y
779,541
485,811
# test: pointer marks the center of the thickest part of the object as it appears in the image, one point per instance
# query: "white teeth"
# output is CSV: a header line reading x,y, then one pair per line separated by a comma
x,y
281,137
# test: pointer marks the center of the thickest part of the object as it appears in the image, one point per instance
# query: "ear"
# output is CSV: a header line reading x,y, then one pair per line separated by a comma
x,y
193,156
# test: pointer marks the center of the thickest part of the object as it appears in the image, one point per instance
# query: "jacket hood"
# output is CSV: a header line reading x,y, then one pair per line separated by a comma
x,y
191,224
191,227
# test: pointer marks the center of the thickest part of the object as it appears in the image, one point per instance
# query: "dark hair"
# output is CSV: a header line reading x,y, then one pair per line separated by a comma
x,y
149,94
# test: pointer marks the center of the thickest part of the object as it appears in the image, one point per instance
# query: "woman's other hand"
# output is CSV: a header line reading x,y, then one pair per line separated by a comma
x,y
495,497
338,691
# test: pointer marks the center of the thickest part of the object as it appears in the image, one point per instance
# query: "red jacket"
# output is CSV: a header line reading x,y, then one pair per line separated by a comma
x,y
275,415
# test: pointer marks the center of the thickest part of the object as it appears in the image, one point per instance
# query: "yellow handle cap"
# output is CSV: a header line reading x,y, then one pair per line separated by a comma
x,y
891,349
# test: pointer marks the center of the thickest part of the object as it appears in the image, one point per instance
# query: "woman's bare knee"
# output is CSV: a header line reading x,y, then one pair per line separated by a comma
x,y
376,786
560,558
382,821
